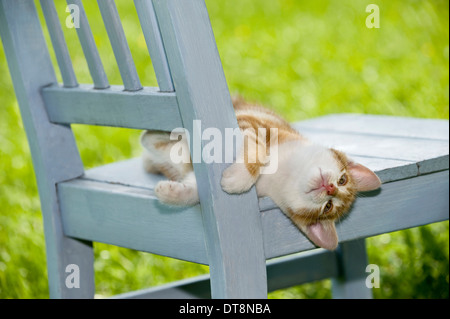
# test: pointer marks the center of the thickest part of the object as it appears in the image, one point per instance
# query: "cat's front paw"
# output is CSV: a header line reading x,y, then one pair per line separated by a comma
x,y
236,179
176,193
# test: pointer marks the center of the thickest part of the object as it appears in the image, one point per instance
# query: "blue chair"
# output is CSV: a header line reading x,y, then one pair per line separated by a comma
x,y
234,234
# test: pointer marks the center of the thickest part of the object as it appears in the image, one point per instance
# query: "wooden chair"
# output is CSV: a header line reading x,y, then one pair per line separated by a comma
x,y
234,235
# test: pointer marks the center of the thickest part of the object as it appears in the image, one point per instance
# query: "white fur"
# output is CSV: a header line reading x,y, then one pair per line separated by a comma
x,y
299,171
236,179
180,192
183,193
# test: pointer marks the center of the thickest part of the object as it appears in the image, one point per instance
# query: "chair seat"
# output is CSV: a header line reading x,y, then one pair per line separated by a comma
x,y
116,204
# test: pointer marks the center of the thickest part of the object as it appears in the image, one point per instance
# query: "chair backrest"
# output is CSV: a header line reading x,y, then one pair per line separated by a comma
x,y
118,41
192,86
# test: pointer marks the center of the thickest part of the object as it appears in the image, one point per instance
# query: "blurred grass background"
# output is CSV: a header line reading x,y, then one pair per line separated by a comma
x,y
303,59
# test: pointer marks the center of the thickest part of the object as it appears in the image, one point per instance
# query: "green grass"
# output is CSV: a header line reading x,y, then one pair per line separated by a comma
x,y
303,59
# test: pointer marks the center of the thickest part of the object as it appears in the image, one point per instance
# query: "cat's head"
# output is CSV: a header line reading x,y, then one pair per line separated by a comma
x,y
320,185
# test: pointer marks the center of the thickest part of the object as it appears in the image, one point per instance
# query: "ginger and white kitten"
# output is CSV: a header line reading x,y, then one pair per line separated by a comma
x,y
313,185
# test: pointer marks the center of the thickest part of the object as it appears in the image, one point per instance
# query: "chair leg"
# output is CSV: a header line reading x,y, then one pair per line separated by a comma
x,y
236,259
70,262
352,260
70,269
243,284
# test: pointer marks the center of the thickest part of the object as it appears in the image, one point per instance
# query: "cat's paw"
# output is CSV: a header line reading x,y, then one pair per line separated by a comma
x,y
236,179
176,193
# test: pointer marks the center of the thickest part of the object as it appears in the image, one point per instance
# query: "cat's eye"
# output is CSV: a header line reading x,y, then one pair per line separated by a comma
x,y
343,180
328,206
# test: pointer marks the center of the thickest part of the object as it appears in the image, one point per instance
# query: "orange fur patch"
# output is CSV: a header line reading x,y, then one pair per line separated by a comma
x,y
304,217
251,118
341,158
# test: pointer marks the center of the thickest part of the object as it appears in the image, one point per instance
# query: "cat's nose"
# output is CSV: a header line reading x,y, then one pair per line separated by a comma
x,y
331,189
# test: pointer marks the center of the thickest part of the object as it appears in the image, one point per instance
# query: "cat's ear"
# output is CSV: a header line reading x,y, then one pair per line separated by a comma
x,y
364,178
323,234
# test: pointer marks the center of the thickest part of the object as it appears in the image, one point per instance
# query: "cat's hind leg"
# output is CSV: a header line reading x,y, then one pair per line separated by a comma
x,y
157,155
181,188
182,193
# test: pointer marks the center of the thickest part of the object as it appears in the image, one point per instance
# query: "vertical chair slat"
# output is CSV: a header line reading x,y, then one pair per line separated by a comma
x,y
90,49
149,24
233,227
59,44
119,44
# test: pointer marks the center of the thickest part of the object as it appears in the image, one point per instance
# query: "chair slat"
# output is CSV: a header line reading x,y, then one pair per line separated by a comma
x,y
371,215
59,44
282,273
144,109
119,44
132,218
152,35
200,85
90,49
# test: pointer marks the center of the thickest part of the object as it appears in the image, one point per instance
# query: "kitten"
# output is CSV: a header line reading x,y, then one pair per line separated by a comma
x,y
313,185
